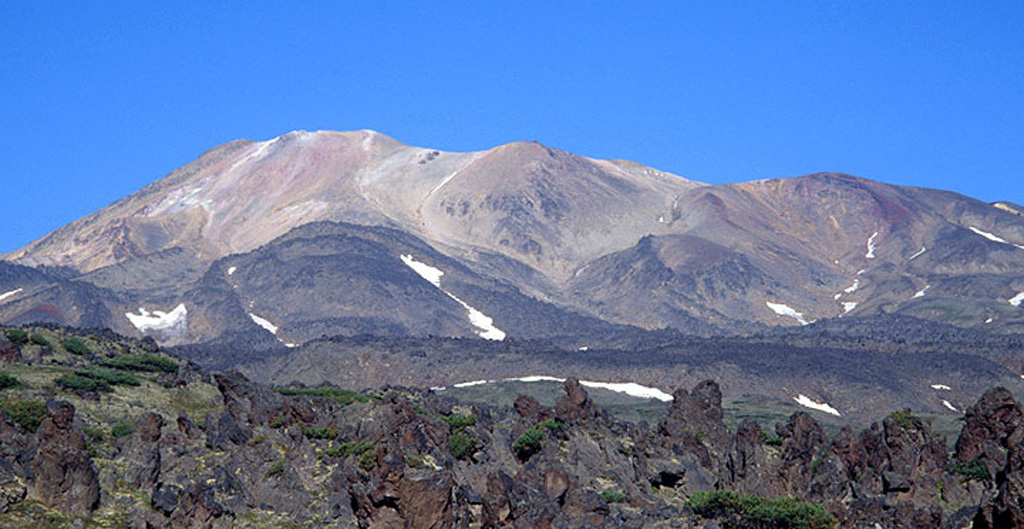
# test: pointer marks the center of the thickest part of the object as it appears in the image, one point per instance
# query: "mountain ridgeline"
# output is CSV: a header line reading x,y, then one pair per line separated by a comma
x,y
274,256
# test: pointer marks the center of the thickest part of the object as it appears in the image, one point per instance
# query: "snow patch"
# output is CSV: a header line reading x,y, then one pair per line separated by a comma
x,y
853,288
583,348
1016,300
478,319
848,306
629,388
443,182
871,246
918,254
470,384
990,320
785,310
943,387
263,322
948,405
158,320
820,406
431,274
989,236
6,295
661,219
920,293
232,270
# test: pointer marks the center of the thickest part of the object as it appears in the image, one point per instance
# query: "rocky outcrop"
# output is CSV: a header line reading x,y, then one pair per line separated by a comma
x,y
575,405
64,476
988,426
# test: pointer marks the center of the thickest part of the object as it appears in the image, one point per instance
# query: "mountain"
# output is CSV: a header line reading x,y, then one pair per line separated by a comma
x,y
267,256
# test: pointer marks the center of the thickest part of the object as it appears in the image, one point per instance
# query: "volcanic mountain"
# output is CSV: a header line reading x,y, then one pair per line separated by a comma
x,y
346,233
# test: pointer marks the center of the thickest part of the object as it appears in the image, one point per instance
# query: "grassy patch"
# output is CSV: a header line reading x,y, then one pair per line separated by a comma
x,y
328,432
8,381
749,511
18,336
612,496
122,429
349,448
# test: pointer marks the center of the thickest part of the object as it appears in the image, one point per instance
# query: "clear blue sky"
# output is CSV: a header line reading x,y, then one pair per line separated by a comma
x,y
101,98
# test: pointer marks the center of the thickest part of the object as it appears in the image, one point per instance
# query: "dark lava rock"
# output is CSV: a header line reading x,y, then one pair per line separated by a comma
x,y
575,405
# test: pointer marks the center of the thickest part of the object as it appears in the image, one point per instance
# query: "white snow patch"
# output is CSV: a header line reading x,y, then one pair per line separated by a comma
x,y
943,387
989,236
808,403
6,295
584,348
661,219
232,270
920,293
849,305
837,296
263,322
948,405
443,182
290,344
853,288
534,378
785,310
478,319
159,320
861,271
431,274
437,388
871,246
630,388
918,254
470,384
989,320
1016,300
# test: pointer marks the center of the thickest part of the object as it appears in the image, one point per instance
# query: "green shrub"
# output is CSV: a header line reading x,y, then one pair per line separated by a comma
x,y
25,413
258,440
458,422
276,469
554,425
968,471
80,383
771,440
328,432
8,381
749,511
528,443
93,435
75,345
368,460
18,336
276,422
612,496
904,419
122,429
341,396
39,339
461,444
142,362
349,448
110,376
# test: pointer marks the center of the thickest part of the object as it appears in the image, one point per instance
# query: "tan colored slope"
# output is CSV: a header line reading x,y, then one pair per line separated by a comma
x,y
550,209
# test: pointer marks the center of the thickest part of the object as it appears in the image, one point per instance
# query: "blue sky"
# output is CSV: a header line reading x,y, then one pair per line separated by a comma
x,y
102,98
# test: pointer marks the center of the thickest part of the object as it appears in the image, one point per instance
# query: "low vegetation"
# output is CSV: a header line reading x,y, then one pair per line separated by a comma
x,y
341,396
18,336
972,470
750,511
8,381
25,413
142,362
461,444
76,345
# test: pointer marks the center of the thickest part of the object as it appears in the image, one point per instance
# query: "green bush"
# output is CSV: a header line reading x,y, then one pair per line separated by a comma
x,y
458,422
341,396
528,443
554,425
349,448
39,339
276,422
612,496
973,470
749,511
76,345
18,336
904,419
461,444
122,429
142,362
110,376
25,413
80,383
276,469
8,381
368,460
328,432
771,440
